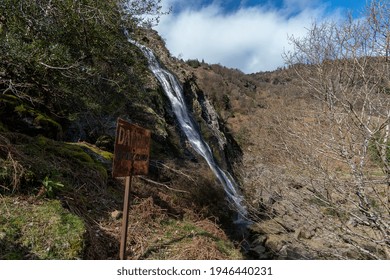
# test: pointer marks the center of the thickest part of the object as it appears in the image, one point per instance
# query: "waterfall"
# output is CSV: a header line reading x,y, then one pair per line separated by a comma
x,y
173,89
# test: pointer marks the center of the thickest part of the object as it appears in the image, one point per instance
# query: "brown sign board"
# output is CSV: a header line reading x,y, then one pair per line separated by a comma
x,y
131,152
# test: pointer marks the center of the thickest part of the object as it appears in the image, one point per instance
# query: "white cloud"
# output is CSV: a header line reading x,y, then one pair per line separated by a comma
x,y
251,39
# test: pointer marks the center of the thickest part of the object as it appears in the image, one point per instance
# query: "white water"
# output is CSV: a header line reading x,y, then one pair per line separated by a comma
x,y
174,91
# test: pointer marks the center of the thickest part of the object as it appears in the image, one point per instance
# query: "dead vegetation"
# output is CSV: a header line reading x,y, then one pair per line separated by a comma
x,y
315,142
172,216
176,212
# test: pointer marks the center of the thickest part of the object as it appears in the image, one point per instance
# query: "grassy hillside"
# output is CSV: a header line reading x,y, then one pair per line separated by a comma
x,y
67,73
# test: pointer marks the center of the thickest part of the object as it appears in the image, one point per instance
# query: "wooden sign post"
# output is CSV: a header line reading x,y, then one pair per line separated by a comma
x,y
131,157
125,218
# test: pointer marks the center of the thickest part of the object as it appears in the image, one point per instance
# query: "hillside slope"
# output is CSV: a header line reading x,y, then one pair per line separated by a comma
x,y
301,191
63,83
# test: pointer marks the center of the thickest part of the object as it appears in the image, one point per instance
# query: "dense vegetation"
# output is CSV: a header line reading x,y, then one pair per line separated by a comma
x,y
66,61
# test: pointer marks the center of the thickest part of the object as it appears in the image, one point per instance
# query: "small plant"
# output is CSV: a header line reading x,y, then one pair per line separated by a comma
x,y
50,187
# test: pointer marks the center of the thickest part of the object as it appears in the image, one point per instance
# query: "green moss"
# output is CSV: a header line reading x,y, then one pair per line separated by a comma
x,y
53,128
189,227
61,162
21,109
334,212
44,231
374,203
8,103
42,141
15,110
228,249
211,141
104,154
77,154
9,99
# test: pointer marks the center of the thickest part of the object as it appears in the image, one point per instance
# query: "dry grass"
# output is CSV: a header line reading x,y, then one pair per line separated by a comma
x,y
11,171
173,211
289,175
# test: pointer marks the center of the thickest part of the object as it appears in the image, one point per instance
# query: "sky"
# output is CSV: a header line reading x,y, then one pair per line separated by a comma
x,y
249,35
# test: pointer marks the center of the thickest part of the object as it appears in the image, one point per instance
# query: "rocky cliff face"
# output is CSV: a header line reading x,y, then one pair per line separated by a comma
x,y
225,148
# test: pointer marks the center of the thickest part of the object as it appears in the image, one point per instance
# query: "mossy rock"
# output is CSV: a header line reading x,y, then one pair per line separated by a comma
x,y
48,126
97,154
38,122
18,116
40,157
74,154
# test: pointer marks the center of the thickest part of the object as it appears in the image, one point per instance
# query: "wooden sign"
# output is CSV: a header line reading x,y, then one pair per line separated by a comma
x,y
131,157
131,152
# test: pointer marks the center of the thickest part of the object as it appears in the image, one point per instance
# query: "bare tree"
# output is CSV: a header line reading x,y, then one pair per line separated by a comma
x,y
379,22
345,67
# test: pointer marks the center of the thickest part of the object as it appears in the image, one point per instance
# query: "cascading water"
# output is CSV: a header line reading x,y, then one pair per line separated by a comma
x,y
174,91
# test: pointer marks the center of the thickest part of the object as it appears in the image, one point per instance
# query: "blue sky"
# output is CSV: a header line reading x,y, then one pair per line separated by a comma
x,y
250,35
233,5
